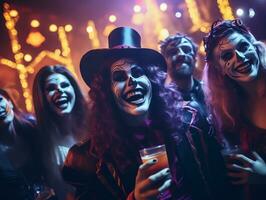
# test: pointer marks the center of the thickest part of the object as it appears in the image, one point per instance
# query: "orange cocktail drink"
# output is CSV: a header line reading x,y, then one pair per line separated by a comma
x,y
157,152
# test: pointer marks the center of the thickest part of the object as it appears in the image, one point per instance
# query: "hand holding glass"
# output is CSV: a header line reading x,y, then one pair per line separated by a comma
x,y
156,152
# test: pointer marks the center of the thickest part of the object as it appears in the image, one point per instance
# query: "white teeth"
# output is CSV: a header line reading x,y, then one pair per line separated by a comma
x,y
141,100
130,94
60,99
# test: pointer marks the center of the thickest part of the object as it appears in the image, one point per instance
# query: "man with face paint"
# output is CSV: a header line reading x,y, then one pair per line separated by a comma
x,y
180,53
131,110
19,171
62,119
236,75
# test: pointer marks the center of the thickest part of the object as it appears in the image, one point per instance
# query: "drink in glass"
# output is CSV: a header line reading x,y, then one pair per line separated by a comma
x,y
156,152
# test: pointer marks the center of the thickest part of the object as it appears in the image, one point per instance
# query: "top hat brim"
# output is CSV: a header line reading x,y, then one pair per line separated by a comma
x,y
92,62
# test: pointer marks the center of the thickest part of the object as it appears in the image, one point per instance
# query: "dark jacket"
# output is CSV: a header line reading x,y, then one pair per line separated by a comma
x,y
20,183
197,151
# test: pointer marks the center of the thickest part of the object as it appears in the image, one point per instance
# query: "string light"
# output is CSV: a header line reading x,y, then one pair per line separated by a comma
x,y
11,18
164,33
197,21
137,8
112,18
27,57
163,7
53,28
68,27
35,23
93,34
225,9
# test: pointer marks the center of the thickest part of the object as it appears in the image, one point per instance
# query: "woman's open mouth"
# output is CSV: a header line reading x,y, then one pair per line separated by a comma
x,y
135,96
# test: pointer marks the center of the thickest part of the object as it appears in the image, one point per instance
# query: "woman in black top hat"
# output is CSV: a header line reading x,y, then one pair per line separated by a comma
x,y
131,110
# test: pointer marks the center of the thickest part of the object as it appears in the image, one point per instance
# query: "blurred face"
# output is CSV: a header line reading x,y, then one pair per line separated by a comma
x,y
237,58
6,111
60,94
180,58
131,87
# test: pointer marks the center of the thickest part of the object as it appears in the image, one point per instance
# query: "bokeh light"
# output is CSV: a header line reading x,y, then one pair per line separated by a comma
x,y
53,28
163,7
68,27
137,8
35,23
112,18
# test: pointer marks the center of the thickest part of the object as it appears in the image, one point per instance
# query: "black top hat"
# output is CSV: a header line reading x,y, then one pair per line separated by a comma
x,y
124,42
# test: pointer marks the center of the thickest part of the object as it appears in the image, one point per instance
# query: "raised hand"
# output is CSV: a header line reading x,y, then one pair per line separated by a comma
x,y
247,167
150,186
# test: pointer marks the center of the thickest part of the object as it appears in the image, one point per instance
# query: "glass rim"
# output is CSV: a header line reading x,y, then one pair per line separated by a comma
x,y
149,150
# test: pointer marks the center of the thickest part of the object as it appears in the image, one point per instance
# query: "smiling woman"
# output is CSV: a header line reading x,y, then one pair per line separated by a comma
x,y
235,78
62,116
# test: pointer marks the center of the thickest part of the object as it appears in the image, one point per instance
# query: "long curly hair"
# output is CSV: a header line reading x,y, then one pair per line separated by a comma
x,y
107,127
223,95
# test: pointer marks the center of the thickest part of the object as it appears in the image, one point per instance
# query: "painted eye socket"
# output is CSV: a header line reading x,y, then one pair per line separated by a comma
x,y
186,49
243,46
137,72
65,85
227,55
119,76
50,87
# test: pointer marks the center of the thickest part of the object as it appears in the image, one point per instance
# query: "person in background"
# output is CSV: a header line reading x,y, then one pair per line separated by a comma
x,y
62,119
235,78
132,110
20,175
180,53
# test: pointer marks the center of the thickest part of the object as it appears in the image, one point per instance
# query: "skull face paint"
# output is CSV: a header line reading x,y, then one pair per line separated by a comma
x,y
180,58
60,94
6,111
131,88
237,58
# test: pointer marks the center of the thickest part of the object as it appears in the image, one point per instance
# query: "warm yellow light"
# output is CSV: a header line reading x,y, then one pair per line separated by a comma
x,y
89,29
137,8
225,9
22,76
138,18
27,57
57,51
26,94
35,39
108,29
112,18
18,56
201,48
68,27
13,13
163,7
24,84
164,33
53,28
35,23
9,24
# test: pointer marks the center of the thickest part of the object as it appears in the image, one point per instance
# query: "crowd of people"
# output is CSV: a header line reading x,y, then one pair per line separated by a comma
x,y
82,148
